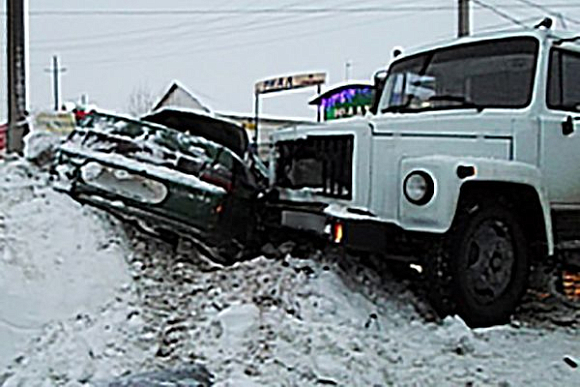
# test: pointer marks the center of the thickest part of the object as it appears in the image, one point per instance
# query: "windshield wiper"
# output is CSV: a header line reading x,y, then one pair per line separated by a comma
x,y
460,99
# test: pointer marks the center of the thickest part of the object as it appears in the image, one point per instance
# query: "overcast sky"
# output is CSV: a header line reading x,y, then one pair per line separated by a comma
x,y
219,56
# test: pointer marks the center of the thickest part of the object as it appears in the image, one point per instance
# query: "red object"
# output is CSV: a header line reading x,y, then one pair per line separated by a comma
x,y
80,114
3,130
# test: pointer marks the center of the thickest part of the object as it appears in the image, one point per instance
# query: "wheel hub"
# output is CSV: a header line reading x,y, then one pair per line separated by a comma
x,y
490,261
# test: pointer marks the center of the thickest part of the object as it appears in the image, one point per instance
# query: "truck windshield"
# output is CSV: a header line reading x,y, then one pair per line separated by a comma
x,y
495,73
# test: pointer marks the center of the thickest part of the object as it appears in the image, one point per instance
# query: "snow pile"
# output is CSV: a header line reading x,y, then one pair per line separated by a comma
x,y
40,146
57,259
290,321
322,319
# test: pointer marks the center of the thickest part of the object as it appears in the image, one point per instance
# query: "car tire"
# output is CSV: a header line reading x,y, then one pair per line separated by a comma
x,y
481,266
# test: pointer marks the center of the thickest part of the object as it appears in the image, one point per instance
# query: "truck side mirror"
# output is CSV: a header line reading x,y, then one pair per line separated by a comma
x,y
379,80
568,126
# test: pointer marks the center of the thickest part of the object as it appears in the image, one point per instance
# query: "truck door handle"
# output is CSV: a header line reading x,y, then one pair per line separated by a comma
x,y
568,126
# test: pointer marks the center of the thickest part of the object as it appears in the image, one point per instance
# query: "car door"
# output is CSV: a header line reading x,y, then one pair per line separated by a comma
x,y
560,128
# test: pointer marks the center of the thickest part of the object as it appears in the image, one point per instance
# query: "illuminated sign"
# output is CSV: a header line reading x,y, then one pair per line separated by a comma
x,y
289,82
347,102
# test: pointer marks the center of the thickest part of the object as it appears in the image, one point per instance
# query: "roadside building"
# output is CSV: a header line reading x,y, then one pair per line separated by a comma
x,y
266,126
178,96
345,100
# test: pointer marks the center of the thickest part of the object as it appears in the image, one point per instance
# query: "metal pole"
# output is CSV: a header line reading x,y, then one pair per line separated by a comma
x,y
55,82
55,71
256,119
17,72
318,115
463,13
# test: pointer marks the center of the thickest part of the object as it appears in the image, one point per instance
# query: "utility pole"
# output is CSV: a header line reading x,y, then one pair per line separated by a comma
x,y
463,26
17,55
56,70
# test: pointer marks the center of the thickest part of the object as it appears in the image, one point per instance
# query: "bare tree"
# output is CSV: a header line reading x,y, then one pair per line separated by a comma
x,y
141,100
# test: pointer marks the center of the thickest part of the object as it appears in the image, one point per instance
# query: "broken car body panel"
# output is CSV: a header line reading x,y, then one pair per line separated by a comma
x,y
166,180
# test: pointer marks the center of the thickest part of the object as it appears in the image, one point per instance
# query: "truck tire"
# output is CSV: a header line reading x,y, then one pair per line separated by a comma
x,y
481,266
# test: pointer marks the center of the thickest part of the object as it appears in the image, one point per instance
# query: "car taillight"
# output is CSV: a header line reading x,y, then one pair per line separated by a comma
x,y
215,179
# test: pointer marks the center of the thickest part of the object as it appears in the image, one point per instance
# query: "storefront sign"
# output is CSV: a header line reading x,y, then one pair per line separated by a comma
x,y
289,82
349,102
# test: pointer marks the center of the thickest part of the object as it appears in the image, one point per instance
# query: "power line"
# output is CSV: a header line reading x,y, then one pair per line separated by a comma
x,y
550,11
493,27
265,41
246,27
502,14
139,35
140,31
273,10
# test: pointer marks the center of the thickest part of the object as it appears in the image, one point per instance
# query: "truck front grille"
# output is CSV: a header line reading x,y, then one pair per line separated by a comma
x,y
322,164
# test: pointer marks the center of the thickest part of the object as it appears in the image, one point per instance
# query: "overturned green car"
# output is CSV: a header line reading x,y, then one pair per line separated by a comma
x,y
173,173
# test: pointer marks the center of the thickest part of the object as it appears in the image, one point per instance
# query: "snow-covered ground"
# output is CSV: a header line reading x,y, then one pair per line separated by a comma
x,y
57,259
115,303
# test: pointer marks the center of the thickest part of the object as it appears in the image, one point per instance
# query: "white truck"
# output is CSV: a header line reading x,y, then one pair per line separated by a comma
x,y
470,167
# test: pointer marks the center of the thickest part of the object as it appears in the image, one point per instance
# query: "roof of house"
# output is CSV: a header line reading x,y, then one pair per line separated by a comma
x,y
178,95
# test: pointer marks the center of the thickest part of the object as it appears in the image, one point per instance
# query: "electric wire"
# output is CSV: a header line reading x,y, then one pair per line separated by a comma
x,y
245,28
500,13
223,32
549,11
270,10
142,33
234,46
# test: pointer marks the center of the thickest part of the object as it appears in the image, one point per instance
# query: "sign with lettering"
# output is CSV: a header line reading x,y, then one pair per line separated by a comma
x,y
346,101
289,82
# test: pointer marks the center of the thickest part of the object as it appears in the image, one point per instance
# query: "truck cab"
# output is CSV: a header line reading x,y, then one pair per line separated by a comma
x,y
470,167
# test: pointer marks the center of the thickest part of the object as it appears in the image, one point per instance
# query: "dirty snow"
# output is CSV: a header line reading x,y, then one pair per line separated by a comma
x,y
322,319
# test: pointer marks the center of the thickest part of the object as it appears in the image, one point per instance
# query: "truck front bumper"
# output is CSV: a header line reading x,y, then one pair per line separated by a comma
x,y
377,237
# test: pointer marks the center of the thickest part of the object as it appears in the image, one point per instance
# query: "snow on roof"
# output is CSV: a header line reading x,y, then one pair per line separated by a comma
x,y
175,87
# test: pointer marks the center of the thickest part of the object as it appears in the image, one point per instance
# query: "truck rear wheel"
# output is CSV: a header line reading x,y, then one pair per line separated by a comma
x,y
482,266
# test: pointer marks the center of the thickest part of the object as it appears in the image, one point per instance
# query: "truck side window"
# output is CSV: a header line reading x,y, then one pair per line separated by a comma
x,y
564,80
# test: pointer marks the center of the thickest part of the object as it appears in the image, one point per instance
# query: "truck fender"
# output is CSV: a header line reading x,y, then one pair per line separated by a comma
x,y
449,175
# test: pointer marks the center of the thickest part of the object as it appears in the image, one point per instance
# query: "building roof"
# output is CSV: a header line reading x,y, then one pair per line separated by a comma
x,y
178,95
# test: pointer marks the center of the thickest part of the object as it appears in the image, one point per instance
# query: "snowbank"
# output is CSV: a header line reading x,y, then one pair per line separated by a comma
x,y
57,259
321,320
286,322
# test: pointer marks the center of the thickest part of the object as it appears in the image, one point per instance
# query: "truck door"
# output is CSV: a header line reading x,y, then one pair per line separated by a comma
x,y
560,126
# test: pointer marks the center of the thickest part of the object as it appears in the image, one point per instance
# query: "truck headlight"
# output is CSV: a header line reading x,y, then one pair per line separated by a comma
x,y
419,188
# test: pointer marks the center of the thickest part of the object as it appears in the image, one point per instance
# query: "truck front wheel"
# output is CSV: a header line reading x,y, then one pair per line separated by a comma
x,y
482,265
